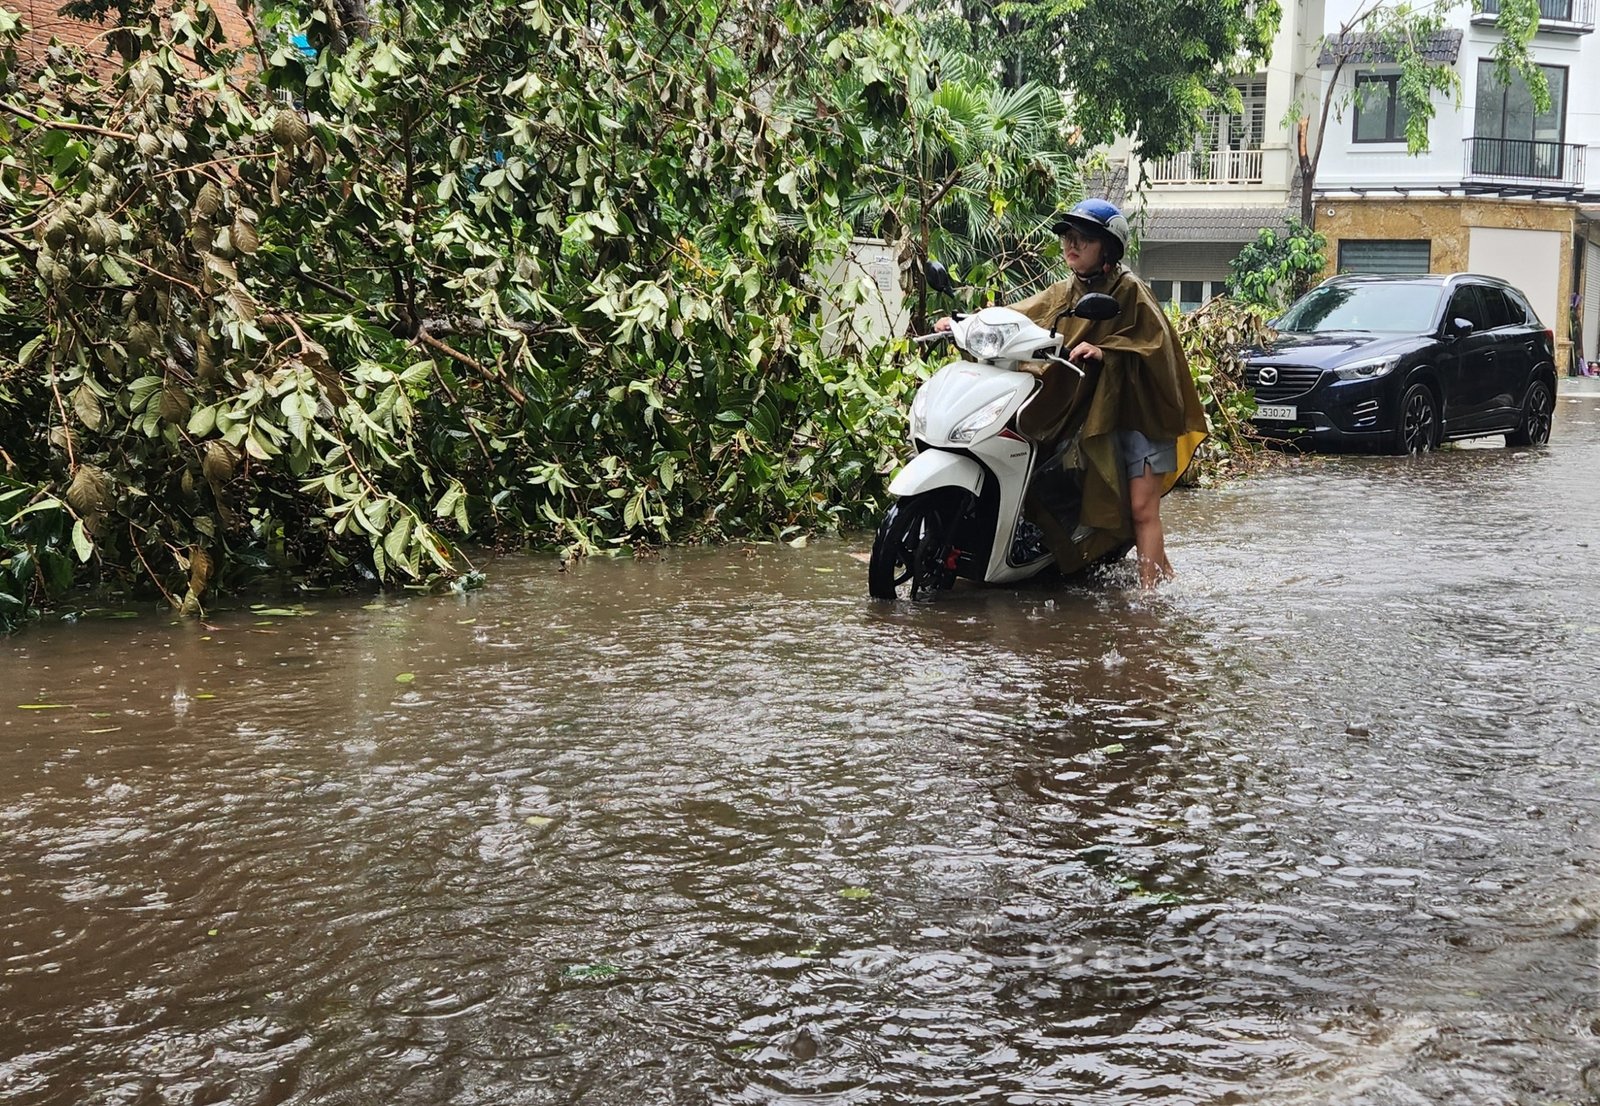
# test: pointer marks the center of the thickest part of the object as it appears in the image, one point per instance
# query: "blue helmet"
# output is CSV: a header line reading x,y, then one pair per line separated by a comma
x,y
1101,219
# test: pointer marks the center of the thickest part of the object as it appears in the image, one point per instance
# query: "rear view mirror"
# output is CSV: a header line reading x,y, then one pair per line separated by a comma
x,y
1094,305
939,278
1097,306
1458,327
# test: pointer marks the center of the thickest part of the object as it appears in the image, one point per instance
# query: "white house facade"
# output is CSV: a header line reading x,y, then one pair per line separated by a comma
x,y
1503,188
1193,211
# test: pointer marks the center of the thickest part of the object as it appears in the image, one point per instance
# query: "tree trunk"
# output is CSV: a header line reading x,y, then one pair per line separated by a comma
x,y
1308,177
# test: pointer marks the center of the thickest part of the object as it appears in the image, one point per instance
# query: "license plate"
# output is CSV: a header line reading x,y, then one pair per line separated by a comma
x,y
1284,411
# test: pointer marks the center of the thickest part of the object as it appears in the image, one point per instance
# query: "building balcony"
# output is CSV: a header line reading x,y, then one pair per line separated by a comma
x,y
1561,17
1198,168
1524,165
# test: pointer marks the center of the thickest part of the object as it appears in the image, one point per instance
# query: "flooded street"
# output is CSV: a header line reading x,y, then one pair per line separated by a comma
x,y
1316,824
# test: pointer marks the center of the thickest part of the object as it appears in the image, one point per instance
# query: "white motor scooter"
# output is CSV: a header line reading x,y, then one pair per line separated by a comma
x,y
958,511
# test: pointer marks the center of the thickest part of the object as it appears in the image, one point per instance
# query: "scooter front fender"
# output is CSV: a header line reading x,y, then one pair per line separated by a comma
x,y
937,468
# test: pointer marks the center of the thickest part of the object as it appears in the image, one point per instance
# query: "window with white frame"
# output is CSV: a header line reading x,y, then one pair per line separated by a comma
x,y
1245,129
1188,295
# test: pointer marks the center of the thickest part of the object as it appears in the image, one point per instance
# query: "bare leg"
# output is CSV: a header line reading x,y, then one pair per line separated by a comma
x,y
1144,497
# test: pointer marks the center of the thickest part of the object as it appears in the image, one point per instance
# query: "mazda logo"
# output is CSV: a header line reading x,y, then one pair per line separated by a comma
x,y
1269,375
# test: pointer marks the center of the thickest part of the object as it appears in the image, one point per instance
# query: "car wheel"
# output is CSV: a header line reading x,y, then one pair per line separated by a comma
x,y
1534,429
1417,429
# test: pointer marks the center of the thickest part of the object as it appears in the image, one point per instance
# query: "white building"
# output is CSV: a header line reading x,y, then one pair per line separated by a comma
x,y
1192,212
1503,189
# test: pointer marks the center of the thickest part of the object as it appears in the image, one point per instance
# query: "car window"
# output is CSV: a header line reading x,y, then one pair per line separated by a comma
x,y
1386,307
1464,305
1496,312
1521,311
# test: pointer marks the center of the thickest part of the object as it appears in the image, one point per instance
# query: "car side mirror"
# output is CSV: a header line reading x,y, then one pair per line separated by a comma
x,y
1458,327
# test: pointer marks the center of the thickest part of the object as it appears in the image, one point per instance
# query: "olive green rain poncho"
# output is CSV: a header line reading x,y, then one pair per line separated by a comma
x,y
1143,384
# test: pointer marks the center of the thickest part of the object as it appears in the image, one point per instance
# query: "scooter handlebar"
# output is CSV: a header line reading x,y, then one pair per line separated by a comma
x,y
926,339
1063,361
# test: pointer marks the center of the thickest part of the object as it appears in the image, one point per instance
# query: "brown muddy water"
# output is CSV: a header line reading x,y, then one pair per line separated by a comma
x,y
1316,824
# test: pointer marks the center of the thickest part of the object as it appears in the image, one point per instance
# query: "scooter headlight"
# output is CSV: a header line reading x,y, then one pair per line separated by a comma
x,y
986,340
968,428
919,414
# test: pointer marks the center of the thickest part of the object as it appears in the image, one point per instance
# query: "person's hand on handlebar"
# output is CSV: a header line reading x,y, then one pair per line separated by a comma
x,y
942,325
1083,351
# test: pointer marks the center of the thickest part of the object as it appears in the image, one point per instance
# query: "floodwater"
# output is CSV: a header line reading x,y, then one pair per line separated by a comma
x,y
1314,825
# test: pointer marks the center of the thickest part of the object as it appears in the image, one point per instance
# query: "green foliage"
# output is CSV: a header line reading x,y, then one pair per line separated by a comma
x,y
496,272
1278,267
39,544
1215,339
962,169
1146,68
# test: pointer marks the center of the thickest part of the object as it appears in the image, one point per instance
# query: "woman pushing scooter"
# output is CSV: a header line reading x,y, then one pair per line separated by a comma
x,y
1143,419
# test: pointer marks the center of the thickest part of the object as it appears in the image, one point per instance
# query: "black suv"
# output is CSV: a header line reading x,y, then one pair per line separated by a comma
x,y
1405,362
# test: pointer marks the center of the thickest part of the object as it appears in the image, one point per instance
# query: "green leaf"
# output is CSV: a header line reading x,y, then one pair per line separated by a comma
x,y
405,678
81,541
114,272
855,893
29,348
202,421
395,542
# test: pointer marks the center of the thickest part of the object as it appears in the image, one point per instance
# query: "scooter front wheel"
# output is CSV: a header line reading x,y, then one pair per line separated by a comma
x,y
911,555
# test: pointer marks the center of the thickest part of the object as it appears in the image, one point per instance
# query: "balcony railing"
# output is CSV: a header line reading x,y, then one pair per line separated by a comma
x,y
1556,166
1196,167
1571,16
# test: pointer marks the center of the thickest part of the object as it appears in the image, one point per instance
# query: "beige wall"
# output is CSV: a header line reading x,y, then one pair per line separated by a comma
x,y
1447,222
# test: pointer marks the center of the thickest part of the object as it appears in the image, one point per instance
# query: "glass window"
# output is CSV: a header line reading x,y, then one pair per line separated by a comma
x,y
1192,293
1511,136
1378,307
1496,312
1245,131
1380,114
1162,290
1522,312
1558,11
1464,305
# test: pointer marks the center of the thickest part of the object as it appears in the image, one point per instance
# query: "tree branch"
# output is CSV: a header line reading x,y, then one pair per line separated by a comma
x,y
493,375
944,188
61,125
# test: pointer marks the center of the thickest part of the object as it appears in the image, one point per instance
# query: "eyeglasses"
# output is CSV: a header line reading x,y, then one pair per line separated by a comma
x,y
1077,238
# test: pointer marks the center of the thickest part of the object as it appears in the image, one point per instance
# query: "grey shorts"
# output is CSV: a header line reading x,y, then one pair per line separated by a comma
x,y
1137,451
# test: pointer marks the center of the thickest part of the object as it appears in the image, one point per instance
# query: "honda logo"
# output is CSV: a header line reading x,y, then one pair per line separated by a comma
x,y
1269,376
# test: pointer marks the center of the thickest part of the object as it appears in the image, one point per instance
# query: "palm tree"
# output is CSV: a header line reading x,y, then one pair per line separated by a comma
x,y
962,169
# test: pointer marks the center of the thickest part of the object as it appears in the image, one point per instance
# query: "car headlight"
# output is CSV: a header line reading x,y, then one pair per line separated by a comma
x,y
968,428
986,340
1367,370
919,414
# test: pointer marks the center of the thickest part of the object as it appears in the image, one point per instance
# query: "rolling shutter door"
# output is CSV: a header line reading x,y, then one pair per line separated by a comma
x,y
1384,255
